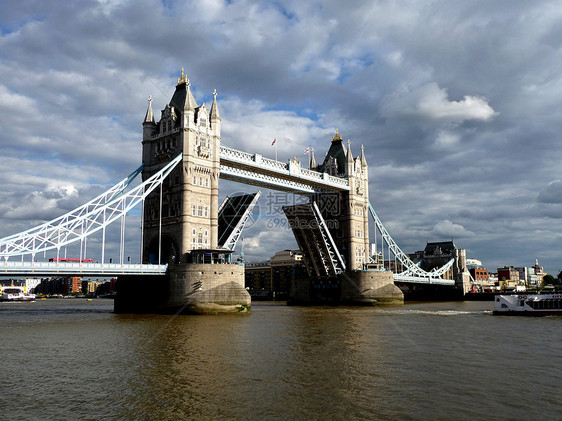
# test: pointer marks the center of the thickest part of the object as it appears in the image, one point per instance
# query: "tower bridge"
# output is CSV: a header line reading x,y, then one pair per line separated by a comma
x,y
188,239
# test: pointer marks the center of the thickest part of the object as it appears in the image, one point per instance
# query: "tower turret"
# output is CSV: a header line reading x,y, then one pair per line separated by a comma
x,y
183,101
363,159
215,115
148,130
313,163
349,164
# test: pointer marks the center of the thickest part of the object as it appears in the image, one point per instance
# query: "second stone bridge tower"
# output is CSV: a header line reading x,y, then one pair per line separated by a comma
x,y
347,212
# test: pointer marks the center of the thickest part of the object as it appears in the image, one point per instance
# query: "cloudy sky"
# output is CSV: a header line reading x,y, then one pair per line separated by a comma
x,y
458,104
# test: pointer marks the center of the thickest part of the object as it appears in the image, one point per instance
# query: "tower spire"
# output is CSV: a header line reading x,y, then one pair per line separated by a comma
x,y
215,115
183,99
149,117
183,78
349,154
363,159
350,168
313,163
337,137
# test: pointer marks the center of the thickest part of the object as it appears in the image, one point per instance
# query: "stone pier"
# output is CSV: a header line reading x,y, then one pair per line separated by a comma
x,y
353,288
186,289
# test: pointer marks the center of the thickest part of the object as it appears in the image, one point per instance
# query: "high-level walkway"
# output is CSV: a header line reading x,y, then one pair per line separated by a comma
x,y
260,171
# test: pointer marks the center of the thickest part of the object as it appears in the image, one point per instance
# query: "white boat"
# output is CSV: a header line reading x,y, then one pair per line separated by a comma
x,y
528,305
14,293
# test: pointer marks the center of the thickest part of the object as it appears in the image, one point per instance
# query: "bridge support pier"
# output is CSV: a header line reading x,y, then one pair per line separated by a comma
x,y
354,288
188,289
208,289
370,288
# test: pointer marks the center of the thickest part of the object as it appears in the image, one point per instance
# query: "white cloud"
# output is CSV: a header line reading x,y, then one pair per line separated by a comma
x,y
252,127
40,205
446,140
431,101
15,103
448,229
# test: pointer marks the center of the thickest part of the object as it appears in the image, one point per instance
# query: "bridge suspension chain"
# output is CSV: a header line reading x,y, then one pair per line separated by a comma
x,y
80,223
413,270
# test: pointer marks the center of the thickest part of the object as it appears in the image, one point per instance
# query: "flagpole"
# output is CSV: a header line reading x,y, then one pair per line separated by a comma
x,y
276,149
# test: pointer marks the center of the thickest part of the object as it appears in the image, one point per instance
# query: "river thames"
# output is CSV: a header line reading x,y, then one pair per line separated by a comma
x,y
76,359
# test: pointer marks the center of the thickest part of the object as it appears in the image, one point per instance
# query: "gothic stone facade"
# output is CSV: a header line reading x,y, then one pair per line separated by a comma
x,y
190,194
347,213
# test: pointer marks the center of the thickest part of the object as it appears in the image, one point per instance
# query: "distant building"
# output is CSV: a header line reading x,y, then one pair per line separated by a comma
x,y
508,277
59,286
103,288
479,274
89,287
73,285
531,276
258,276
272,278
438,254
536,274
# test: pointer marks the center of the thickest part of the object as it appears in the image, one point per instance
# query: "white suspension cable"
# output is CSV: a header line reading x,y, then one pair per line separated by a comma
x,y
412,269
92,217
98,201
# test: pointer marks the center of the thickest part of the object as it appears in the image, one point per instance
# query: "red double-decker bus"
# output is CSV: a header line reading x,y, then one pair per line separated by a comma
x,y
71,260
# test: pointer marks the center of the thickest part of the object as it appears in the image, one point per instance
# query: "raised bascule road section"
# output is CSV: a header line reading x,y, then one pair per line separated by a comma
x,y
187,239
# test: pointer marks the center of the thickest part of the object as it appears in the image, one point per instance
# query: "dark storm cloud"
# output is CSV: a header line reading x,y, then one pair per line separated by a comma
x,y
458,104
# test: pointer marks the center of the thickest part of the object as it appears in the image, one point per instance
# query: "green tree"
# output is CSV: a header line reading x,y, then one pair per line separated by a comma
x,y
548,279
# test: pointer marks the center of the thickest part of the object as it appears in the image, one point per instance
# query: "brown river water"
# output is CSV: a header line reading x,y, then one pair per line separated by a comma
x,y
73,359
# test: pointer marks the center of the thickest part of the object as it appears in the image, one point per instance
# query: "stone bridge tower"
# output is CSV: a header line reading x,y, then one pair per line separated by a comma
x,y
347,213
201,277
190,195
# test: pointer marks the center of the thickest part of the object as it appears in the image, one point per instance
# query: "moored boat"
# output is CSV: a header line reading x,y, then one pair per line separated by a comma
x,y
15,293
528,305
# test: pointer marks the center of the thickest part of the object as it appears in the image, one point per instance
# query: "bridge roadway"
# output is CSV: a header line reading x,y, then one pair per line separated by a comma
x,y
78,269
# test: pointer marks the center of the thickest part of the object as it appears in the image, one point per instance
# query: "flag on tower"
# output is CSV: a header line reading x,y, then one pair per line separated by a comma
x,y
306,150
274,140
